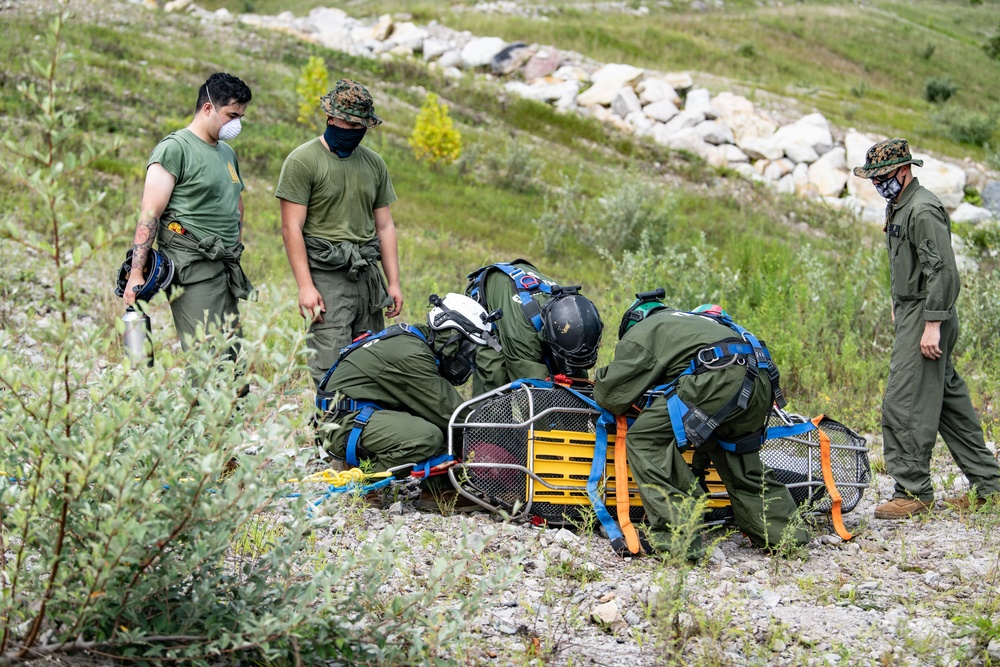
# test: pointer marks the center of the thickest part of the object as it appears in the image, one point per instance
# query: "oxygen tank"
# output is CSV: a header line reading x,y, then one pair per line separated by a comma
x,y
137,340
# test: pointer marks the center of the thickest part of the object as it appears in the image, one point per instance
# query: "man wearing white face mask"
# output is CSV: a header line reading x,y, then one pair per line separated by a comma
x,y
192,205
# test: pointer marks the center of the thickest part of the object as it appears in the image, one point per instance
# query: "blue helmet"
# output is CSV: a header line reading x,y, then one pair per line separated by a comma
x,y
157,274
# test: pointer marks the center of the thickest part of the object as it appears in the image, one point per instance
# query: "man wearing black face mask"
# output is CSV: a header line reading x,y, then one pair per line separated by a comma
x,y
924,394
337,227
391,392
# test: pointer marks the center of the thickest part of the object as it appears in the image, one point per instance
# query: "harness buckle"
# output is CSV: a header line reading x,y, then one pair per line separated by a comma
x,y
711,363
528,281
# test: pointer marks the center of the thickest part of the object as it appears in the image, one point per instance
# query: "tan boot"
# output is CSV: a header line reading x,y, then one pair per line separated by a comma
x,y
902,508
965,504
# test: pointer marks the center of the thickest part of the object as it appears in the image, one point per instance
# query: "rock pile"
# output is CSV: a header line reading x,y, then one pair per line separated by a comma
x,y
800,158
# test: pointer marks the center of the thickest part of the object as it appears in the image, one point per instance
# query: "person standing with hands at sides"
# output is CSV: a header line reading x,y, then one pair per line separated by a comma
x,y
192,205
337,228
924,395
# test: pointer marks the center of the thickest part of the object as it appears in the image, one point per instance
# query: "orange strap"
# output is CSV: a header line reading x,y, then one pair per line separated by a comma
x,y
831,485
621,486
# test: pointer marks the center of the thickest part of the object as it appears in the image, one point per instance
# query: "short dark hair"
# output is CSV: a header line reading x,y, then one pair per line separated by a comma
x,y
224,89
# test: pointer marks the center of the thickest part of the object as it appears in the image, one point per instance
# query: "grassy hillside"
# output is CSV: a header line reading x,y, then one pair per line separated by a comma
x,y
808,280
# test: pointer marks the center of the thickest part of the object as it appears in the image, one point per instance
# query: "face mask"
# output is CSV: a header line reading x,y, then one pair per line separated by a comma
x,y
458,367
342,140
889,188
230,130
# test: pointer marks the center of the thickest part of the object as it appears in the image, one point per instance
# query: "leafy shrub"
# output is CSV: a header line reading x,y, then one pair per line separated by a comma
x,y
975,128
314,82
937,90
512,167
434,138
992,46
563,214
622,216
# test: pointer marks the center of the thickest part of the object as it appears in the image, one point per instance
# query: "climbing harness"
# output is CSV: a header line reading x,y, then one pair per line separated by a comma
x,y
327,401
526,285
692,425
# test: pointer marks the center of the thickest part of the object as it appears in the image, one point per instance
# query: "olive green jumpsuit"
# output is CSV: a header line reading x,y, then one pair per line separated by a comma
x,y
400,374
654,352
924,397
521,354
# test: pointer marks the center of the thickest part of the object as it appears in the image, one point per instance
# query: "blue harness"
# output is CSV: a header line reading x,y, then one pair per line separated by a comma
x,y
525,284
326,401
692,425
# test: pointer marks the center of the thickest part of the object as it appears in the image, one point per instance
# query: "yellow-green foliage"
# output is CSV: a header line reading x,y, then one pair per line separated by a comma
x,y
314,82
434,139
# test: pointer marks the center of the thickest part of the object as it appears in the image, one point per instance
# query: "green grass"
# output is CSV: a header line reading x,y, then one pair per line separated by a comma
x,y
822,310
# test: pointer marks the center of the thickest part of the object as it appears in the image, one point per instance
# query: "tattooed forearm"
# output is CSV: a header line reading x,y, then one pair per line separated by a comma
x,y
145,232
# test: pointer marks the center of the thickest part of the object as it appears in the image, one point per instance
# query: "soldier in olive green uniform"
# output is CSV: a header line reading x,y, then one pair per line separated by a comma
x,y
401,380
924,394
540,336
192,205
338,229
656,347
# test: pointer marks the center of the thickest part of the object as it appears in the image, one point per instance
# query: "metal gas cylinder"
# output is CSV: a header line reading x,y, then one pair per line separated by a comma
x,y
137,340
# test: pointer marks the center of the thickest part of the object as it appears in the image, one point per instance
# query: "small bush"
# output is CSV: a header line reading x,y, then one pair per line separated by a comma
x,y
992,46
938,90
563,214
928,52
314,82
434,138
747,50
513,167
975,128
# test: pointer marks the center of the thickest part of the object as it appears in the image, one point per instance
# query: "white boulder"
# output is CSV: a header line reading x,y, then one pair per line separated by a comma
x,y
480,51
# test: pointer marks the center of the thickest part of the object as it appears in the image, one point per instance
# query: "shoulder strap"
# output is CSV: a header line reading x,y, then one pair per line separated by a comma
x,y
761,353
369,337
525,284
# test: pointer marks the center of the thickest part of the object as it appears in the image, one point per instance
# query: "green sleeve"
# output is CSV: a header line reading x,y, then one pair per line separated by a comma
x,y
386,194
630,374
931,236
169,154
294,182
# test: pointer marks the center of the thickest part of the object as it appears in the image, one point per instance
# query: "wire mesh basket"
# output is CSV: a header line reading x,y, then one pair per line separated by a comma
x,y
528,451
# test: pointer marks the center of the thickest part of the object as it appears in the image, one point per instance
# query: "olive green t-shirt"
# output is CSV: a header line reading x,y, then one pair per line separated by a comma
x,y
341,194
206,194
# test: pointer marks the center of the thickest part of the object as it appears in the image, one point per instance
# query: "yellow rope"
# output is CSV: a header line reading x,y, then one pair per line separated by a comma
x,y
338,477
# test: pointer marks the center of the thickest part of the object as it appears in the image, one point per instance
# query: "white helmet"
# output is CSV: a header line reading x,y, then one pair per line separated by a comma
x,y
457,311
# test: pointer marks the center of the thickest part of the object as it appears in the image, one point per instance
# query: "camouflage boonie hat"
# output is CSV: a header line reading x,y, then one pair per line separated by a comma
x,y
352,102
886,157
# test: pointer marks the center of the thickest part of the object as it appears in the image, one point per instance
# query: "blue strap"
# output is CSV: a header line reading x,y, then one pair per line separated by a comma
x,y
597,470
525,285
789,431
432,462
677,409
367,410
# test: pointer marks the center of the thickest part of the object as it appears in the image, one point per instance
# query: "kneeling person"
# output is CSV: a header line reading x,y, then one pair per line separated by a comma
x,y
549,330
391,392
697,363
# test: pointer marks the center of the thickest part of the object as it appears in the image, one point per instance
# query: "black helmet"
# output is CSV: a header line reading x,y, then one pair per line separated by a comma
x,y
157,274
571,330
645,304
